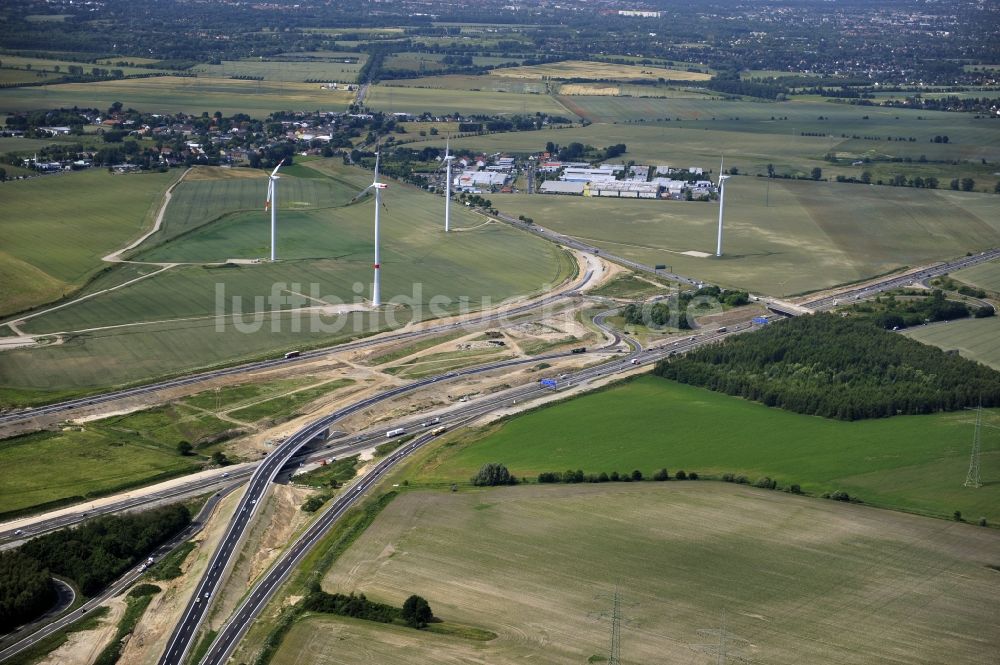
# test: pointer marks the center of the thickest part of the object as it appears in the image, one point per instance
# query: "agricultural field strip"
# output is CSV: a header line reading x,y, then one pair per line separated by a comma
x,y
13,322
502,311
115,256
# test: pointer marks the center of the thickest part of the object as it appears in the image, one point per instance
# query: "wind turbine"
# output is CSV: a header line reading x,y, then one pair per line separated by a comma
x,y
448,157
272,203
378,187
722,202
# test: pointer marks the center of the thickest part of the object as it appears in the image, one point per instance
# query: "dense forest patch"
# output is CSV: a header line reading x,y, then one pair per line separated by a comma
x,y
833,367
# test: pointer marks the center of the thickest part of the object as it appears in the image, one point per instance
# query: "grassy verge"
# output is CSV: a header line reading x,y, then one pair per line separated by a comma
x,y
315,565
285,405
203,645
402,352
332,475
42,648
169,567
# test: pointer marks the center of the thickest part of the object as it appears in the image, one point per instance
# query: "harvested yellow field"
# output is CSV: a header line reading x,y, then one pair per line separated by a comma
x,y
583,69
590,89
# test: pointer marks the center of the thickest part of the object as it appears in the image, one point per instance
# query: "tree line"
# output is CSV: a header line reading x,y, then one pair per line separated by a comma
x,y
415,613
836,367
26,589
570,476
97,552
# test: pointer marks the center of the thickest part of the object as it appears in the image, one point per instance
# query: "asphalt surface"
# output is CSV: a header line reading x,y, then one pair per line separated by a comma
x,y
181,640
889,283
31,635
232,632
285,454
273,363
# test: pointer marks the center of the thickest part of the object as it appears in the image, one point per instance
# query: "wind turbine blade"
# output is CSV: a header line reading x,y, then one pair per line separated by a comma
x,y
362,192
275,171
721,165
270,194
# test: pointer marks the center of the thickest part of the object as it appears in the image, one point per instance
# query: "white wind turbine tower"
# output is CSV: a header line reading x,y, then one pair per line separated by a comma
x,y
378,187
272,203
722,202
448,157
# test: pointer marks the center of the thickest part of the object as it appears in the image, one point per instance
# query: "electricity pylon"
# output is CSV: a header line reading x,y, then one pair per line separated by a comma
x,y
972,478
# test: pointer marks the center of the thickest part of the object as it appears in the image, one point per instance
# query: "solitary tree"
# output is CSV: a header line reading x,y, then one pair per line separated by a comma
x,y
492,474
816,173
184,448
417,612
968,184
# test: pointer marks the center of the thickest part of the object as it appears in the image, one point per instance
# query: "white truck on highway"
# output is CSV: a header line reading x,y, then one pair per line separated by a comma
x,y
395,432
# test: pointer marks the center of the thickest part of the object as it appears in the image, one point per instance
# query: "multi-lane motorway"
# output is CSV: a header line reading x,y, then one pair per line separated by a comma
x,y
264,474
18,643
68,406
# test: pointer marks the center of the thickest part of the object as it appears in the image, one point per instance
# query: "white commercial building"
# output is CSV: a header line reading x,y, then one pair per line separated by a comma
x,y
561,187
470,180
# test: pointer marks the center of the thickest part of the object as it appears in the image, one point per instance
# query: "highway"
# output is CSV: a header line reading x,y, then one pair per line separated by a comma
x,y
28,636
265,473
889,283
264,589
239,623
274,363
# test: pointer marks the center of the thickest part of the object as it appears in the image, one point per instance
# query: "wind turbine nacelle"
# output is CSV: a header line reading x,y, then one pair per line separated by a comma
x,y
380,185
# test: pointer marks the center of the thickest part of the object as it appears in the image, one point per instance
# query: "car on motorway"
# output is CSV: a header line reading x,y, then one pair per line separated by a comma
x,y
18,532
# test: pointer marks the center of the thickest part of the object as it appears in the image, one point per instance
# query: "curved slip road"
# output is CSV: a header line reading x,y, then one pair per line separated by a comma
x,y
21,641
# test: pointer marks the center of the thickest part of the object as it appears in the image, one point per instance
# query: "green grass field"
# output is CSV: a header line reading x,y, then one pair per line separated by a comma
x,y
57,228
286,405
985,276
976,339
794,580
12,144
915,463
782,237
443,100
234,397
604,71
168,323
16,76
62,66
205,198
117,452
290,68
171,94
754,141
484,83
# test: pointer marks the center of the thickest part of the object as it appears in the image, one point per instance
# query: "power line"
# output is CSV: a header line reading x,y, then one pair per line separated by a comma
x,y
972,478
616,629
